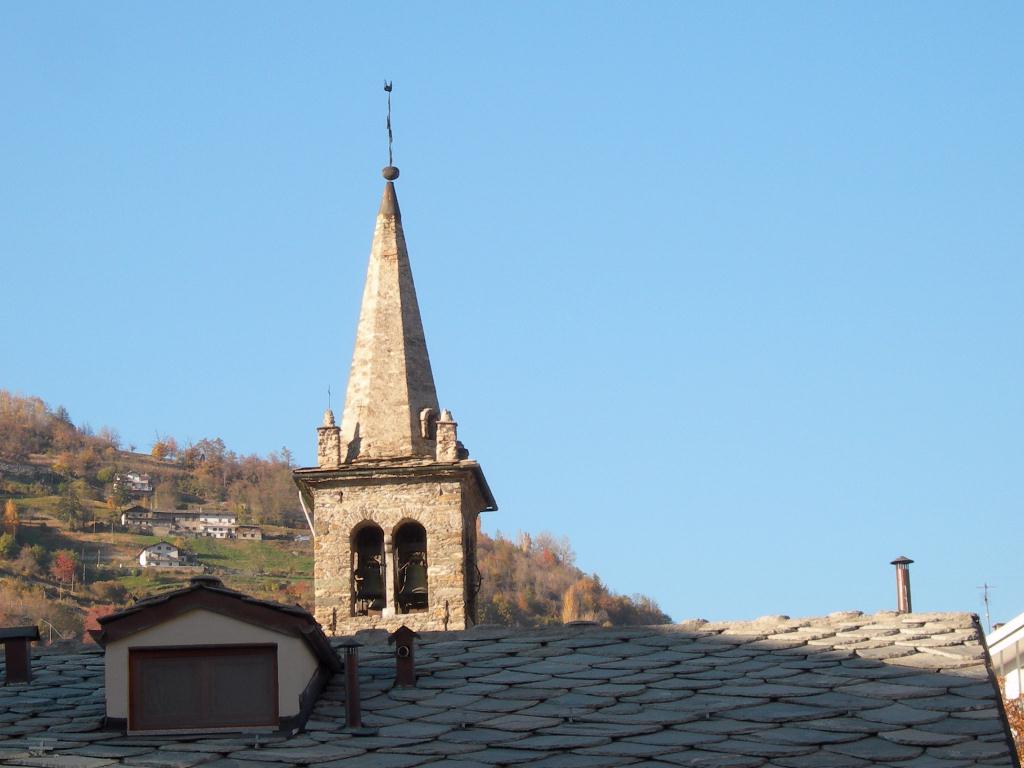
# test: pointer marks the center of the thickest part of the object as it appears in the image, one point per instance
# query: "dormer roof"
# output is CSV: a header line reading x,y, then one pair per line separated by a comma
x,y
208,593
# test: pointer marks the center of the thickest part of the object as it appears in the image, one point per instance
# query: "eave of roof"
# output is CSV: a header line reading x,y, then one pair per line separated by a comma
x,y
998,639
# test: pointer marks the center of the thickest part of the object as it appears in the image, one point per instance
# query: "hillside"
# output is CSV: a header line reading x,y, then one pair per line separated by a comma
x,y
64,558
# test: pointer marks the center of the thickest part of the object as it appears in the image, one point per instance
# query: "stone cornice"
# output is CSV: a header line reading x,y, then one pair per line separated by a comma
x,y
360,471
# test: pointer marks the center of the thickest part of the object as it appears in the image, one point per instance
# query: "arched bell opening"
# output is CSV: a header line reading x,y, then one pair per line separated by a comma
x,y
411,567
368,571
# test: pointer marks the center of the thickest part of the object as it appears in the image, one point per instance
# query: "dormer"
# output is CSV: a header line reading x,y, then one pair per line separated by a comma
x,y
207,659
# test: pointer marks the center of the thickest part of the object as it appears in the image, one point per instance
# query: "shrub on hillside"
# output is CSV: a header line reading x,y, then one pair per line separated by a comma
x,y
8,546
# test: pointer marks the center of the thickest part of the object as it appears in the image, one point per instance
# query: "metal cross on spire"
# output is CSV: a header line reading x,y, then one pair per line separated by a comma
x,y
387,88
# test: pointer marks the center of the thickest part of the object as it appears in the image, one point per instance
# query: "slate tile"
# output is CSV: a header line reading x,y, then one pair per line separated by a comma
x,y
613,730
703,759
708,703
722,725
839,700
644,678
783,712
552,667
656,695
435,747
927,761
415,730
227,762
527,693
875,749
481,736
685,684
167,759
572,760
950,702
459,717
412,711
284,753
490,704
627,749
377,760
111,751
508,677
759,745
648,715
916,737
450,700
799,735
890,690
505,756
593,673
901,714
522,723
64,761
849,724
769,690
971,750
677,739
477,688
546,742
821,760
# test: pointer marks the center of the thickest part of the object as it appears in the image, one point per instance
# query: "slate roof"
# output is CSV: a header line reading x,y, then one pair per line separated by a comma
x,y
843,690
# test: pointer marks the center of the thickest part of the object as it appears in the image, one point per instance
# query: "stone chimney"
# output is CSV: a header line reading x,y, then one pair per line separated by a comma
x,y
17,642
328,443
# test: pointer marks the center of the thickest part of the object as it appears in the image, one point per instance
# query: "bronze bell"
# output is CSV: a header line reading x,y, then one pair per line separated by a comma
x,y
415,580
369,581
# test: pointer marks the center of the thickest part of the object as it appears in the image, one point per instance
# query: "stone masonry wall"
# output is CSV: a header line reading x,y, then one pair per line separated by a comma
x,y
437,504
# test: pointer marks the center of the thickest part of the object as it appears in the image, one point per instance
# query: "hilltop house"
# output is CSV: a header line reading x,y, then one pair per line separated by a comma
x,y
216,524
136,484
163,554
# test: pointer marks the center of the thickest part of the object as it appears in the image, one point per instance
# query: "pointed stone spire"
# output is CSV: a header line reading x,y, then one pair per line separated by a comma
x,y
391,382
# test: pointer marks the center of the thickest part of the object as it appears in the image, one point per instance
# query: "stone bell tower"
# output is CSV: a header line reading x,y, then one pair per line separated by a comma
x,y
394,498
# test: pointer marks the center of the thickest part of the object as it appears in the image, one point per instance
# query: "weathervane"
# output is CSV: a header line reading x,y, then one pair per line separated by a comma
x,y
387,88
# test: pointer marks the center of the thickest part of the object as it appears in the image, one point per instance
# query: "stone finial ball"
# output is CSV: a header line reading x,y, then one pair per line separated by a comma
x,y
390,173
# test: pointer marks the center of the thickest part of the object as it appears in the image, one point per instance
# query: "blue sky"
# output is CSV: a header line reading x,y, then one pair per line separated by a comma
x,y
731,295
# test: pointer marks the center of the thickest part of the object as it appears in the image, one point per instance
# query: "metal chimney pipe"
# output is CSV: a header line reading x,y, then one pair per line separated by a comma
x,y
902,564
353,706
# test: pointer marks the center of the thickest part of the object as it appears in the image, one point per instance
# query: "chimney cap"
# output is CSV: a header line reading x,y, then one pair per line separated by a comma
x,y
901,560
19,633
401,633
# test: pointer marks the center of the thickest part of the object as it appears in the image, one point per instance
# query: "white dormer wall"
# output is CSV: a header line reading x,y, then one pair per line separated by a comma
x,y
296,663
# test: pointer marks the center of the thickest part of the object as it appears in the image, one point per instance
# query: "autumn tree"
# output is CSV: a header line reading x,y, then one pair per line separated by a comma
x,y
10,520
69,506
64,565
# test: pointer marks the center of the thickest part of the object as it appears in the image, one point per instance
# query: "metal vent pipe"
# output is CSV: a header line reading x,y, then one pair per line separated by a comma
x,y
902,564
